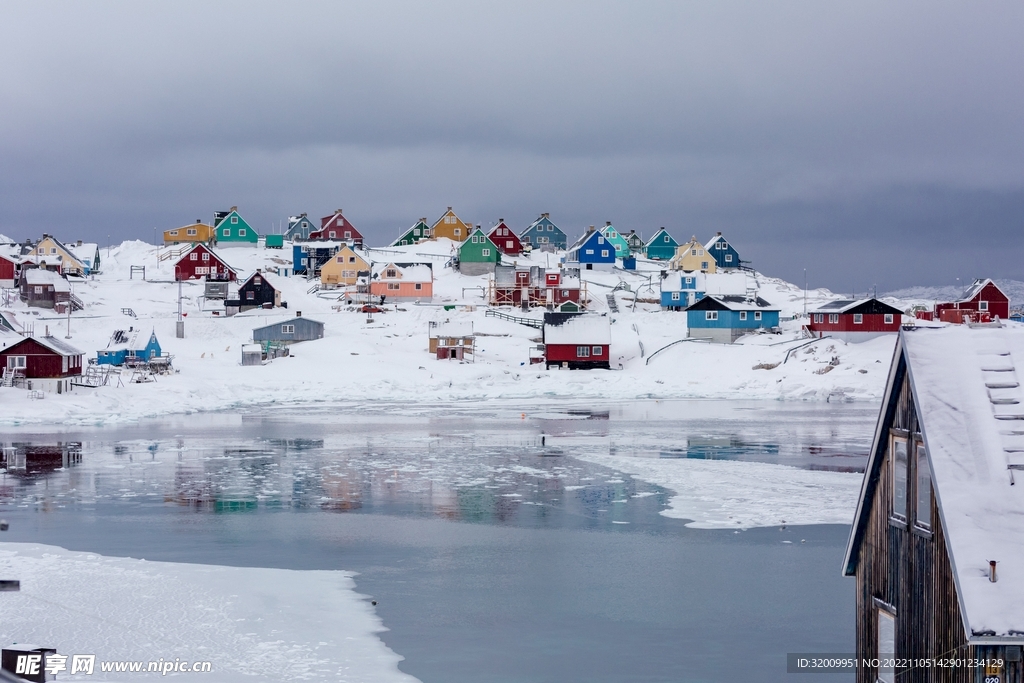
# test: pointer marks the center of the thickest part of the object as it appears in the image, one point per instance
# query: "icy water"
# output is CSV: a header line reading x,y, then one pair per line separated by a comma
x,y
493,553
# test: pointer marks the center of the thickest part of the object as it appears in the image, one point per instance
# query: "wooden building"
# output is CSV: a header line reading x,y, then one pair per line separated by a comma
x,y
451,339
10,269
51,253
338,227
692,256
299,228
577,341
41,364
543,234
636,243
419,232
256,292
194,232
724,319
661,247
592,251
343,269
201,262
536,286
937,544
505,240
41,288
615,239
983,300
232,230
451,226
402,281
478,254
855,321
309,257
298,329
723,252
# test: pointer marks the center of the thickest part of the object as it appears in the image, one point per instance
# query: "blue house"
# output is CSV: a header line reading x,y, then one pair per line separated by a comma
x,y
680,289
724,319
593,251
122,348
662,246
544,235
723,252
299,228
309,256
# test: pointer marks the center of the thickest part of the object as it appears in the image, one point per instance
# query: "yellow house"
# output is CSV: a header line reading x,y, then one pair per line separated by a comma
x,y
343,268
51,251
451,226
197,232
693,256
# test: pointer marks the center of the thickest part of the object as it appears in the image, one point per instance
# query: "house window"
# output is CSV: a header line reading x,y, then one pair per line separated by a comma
x,y
287,329
711,315
16,362
508,245
206,256
675,296
174,233
234,220
728,258
887,646
565,292
38,289
391,273
666,238
226,232
485,252
833,318
190,231
341,221
53,250
888,318
393,286
703,265
757,315
819,317
858,318
693,252
583,352
241,232
597,350
305,224
721,245
600,240
923,515
250,295
743,315
419,286
348,234
982,305
458,232
332,234
898,455
589,251
604,253
689,280
193,256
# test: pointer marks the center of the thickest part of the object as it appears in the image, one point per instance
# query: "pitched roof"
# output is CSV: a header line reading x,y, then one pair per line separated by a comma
x,y
58,346
451,328
976,288
868,305
731,303
570,328
411,272
287,322
41,276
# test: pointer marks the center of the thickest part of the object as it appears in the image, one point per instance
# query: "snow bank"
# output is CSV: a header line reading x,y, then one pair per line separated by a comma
x,y
252,624
729,494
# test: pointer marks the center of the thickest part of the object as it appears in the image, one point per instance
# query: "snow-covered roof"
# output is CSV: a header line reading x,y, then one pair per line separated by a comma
x,y
84,252
451,328
966,385
974,289
410,272
586,328
58,346
735,303
716,238
4,239
870,304
41,276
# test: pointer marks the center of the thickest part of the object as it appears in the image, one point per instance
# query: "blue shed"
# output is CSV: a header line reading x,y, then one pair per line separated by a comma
x,y
290,331
593,251
680,289
662,246
725,319
122,347
544,235
723,252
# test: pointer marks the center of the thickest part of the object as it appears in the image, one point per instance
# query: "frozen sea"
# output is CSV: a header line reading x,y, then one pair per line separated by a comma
x,y
500,543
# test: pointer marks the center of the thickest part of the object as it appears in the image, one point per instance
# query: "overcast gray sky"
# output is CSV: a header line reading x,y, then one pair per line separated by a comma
x,y
872,143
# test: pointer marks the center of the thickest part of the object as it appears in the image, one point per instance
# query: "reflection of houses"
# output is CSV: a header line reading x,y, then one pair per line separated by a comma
x,y
343,269
35,458
936,542
982,300
200,261
536,286
544,235
337,227
693,256
196,232
451,339
855,321
725,319
298,329
41,364
402,281
577,340
256,292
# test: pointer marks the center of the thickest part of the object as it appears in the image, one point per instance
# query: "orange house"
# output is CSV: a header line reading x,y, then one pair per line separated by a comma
x,y
402,281
196,232
451,226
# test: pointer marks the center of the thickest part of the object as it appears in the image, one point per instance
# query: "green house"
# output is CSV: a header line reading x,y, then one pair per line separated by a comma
x,y
616,240
662,246
478,254
416,233
231,228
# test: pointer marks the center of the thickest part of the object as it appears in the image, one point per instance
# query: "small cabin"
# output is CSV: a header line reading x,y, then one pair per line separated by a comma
x,y
299,228
343,269
10,269
402,281
256,292
724,319
535,286
937,546
201,262
855,321
451,226
41,364
982,301
680,289
451,340
635,242
123,349
692,256
298,329
544,235
505,239
50,252
41,288
193,232
577,341
592,251
617,241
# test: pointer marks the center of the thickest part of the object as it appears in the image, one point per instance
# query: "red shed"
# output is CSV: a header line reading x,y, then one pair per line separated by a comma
x,y
8,272
983,297
200,261
855,321
41,364
505,239
577,341
337,227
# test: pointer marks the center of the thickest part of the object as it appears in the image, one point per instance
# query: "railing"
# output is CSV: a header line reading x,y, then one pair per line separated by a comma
x,y
677,341
529,322
173,253
76,303
315,288
800,346
128,311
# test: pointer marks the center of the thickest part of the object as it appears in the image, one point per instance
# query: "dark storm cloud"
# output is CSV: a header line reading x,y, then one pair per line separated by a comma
x,y
869,143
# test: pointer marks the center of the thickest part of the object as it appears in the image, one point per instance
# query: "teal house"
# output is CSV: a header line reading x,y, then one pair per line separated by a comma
x,y
478,254
724,319
231,229
417,233
122,348
544,235
616,240
662,246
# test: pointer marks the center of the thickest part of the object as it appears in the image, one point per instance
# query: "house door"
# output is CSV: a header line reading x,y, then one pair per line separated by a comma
x,y
454,353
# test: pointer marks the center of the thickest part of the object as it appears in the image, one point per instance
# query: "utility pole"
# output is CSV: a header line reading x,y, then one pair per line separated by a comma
x,y
71,298
179,328
805,292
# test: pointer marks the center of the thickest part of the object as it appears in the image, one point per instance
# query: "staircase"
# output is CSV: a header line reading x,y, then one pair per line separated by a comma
x,y
128,311
76,303
315,288
613,305
9,377
174,253
529,322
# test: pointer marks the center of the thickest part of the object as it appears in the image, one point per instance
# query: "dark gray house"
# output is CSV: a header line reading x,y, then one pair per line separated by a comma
x,y
297,329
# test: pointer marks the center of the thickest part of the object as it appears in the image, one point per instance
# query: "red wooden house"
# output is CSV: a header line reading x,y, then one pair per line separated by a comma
x,y
982,301
9,268
337,227
200,261
855,321
505,239
41,364
578,341
536,286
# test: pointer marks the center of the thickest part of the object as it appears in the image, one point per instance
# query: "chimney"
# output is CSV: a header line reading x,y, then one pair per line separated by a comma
x,y
449,208
992,571
501,220
590,229
79,243
423,220
719,233
298,314
48,334
198,221
234,208
607,223
257,271
337,211
545,215
302,215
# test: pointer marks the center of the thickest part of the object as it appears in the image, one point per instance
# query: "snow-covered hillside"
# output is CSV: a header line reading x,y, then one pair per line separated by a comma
x,y
387,360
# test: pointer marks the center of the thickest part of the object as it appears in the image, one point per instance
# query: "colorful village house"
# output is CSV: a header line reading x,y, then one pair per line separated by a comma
x,y
536,286
337,227
402,281
201,262
723,252
123,348
343,269
616,240
88,253
577,341
855,321
196,232
451,339
51,253
635,243
937,547
505,240
451,226
724,319
256,292
41,364
591,252
680,289
661,247
693,256
419,232
309,257
299,228
298,329
10,269
232,230
982,301
41,288
478,255
544,235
